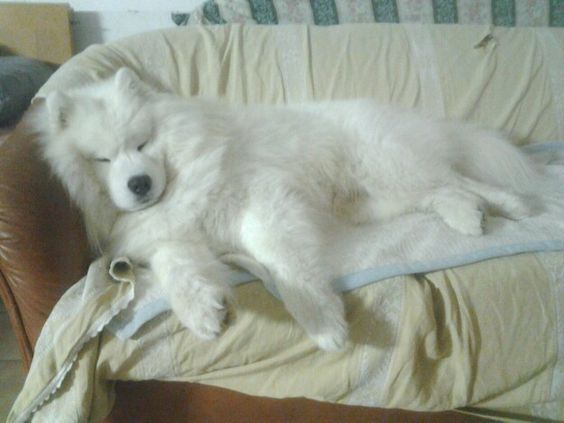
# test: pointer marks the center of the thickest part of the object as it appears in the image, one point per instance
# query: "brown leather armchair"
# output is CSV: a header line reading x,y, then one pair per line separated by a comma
x,y
43,251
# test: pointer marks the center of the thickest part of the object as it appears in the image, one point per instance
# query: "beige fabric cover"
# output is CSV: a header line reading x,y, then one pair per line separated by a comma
x,y
484,335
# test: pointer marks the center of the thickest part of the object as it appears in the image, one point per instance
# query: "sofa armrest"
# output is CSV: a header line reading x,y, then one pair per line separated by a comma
x,y
43,247
177,402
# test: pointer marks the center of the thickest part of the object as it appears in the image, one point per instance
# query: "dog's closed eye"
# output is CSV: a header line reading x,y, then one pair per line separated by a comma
x,y
142,146
101,159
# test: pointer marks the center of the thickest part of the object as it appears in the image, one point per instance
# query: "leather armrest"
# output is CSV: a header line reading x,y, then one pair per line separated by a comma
x,y
177,402
43,247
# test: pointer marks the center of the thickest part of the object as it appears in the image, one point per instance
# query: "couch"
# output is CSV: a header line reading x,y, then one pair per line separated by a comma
x,y
43,249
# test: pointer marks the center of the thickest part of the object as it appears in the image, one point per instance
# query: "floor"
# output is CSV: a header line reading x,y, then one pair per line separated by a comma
x,y
11,369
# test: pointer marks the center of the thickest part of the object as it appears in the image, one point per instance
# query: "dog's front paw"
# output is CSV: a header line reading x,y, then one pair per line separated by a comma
x,y
325,322
332,338
203,312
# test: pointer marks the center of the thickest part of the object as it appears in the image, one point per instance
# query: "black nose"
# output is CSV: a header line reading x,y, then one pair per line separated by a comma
x,y
139,185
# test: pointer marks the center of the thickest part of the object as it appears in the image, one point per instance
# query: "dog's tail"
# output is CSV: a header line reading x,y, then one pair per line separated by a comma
x,y
491,158
551,153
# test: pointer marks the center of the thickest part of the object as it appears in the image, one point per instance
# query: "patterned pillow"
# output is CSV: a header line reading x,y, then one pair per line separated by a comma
x,y
332,12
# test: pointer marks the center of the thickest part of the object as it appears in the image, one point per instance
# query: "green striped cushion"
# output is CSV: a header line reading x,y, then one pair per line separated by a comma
x,y
332,12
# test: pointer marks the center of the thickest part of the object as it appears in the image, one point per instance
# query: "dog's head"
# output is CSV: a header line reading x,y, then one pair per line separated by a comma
x,y
100,140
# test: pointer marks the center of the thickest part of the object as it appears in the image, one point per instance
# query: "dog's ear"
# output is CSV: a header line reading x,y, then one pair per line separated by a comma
x,y
126,80
58,109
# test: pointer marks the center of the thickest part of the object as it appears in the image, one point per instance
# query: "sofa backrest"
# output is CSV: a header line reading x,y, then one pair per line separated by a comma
x,y
504,78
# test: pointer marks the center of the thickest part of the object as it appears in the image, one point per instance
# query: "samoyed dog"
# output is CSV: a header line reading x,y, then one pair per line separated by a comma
x,y
176,183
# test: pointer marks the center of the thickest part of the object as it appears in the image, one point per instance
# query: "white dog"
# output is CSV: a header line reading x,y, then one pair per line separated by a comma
x,y
176,183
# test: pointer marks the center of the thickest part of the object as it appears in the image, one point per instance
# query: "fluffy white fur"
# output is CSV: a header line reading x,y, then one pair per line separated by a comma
x,y
263,181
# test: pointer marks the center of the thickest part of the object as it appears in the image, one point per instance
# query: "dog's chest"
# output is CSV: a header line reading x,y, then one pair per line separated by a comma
x,y
220,221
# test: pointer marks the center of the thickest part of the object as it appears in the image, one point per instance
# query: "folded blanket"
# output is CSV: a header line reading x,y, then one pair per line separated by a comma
x,y
417,243
487,335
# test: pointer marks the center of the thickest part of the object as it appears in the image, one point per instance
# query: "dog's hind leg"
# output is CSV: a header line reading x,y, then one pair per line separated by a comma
x,y
461,210
463,204
500,201
284,239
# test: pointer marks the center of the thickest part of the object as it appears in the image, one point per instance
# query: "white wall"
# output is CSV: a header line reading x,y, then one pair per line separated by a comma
x,y
97,21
